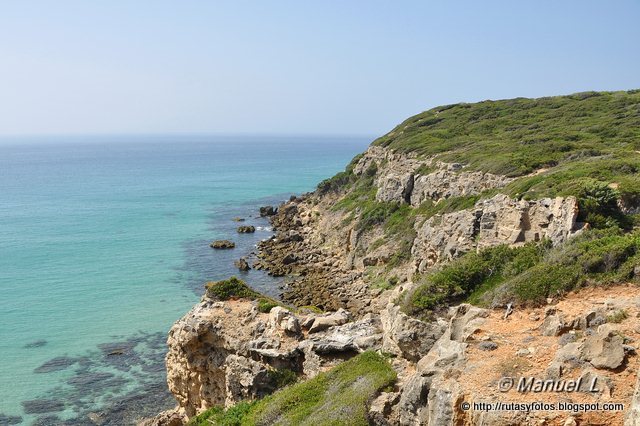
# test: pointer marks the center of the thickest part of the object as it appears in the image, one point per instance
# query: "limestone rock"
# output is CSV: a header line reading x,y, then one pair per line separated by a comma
x,y
222,244
632,417
407,336
249,229
242,264
267,211
450,181
498,220
604,349
166,418
395,187
322,322
244,379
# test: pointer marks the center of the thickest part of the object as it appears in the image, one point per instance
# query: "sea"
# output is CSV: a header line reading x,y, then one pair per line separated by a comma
x,y
104,243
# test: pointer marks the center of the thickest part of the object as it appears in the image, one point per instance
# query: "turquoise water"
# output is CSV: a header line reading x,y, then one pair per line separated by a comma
x,y
104,244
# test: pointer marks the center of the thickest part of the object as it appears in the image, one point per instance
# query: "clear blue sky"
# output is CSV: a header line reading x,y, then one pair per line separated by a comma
x,y
296,67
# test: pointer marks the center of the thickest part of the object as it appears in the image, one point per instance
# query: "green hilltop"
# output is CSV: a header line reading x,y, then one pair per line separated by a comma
x,y
591,135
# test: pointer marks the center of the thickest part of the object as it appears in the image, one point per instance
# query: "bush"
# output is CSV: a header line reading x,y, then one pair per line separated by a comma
x,y
281,377
471,275
544,280
265,305
617,316
230,288
528,274
235,288
218,416
599,206
336,397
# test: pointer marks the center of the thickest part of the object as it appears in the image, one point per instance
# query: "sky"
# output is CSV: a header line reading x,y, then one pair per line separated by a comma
x,y
295,67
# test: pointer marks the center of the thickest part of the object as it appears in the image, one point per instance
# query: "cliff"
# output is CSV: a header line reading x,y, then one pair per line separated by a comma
x,y
459,245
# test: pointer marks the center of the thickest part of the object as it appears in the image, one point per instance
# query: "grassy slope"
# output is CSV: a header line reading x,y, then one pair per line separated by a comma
x,y
337,397
589,144
586,135
530,273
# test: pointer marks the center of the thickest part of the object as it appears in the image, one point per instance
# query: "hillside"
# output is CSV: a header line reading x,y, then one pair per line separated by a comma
x,y
463,228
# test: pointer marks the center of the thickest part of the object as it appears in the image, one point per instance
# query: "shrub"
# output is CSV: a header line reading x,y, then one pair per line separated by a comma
x,y
218,416
230,288
599,205
617,316
544,280
281,377
471,275
235,288
265,305
336,397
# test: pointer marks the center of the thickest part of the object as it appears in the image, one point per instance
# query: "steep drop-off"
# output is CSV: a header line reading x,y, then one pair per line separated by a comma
x,y
512,206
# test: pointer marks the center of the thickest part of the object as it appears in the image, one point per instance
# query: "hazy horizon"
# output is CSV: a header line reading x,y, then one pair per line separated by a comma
x,y
72,68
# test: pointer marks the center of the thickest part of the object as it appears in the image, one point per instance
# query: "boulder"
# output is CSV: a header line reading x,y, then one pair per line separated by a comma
x,y
322,322
406,336
248,229
268,211
604,349
222,244
554,325
242,264
394,187
244,379
172,417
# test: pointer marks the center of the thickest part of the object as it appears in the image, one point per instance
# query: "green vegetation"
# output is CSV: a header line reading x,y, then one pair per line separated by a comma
x,y
307,309
528,274
230,288
593,135
220,417
265,305
377,278
618,316
337,397
585,145
470,276
341,179
235,288
282,377
517,136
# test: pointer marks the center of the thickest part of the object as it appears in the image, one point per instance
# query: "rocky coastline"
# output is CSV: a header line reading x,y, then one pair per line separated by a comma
x,y
356,249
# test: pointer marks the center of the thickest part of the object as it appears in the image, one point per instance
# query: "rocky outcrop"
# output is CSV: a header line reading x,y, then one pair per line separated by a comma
x,y
222,244
452,181
498,220
267,211
456,370
405,178
242,264
431,394
247,229
328,253
408,337
393,187
224,352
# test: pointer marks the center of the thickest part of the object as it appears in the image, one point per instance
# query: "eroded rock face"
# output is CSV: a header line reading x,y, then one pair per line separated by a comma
x,y
604,349
429,396
211,360
499,220
404,178
395,187
451,181
406,336
222,352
